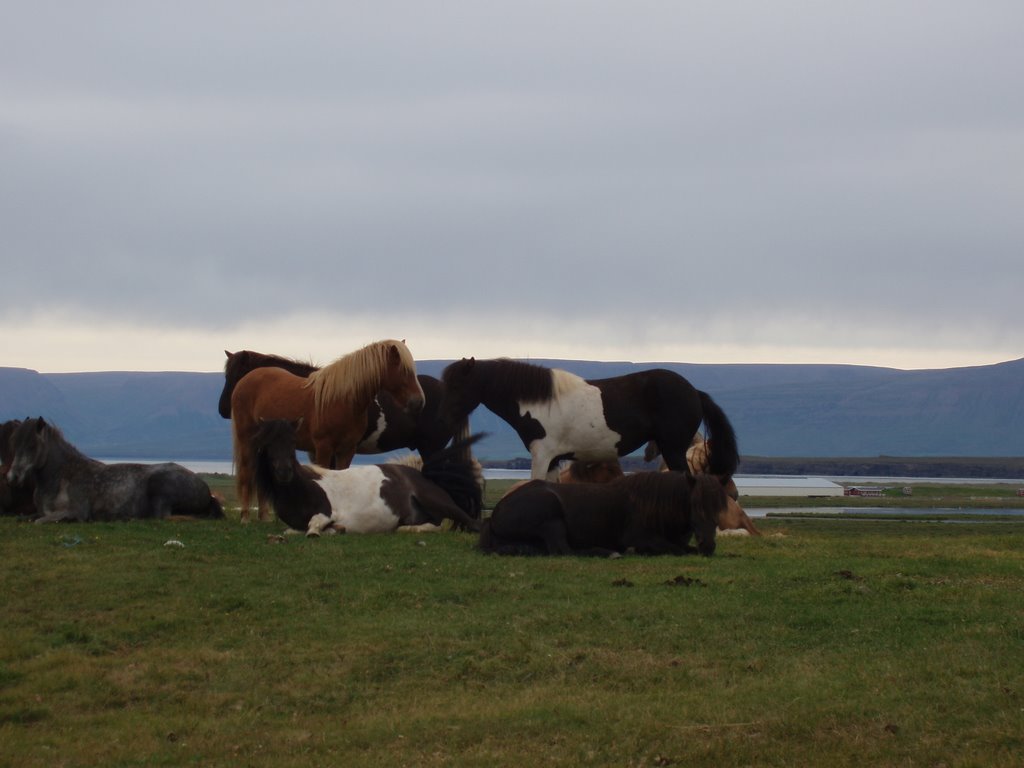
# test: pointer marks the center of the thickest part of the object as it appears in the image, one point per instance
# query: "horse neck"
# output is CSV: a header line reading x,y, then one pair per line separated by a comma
x,y
61,458
355,378
492,398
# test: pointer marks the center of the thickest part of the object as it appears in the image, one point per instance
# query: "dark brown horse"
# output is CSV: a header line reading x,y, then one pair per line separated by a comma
x,y
653,513
332,403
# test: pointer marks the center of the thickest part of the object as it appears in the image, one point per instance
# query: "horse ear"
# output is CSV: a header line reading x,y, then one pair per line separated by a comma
x,y
40,424
229,355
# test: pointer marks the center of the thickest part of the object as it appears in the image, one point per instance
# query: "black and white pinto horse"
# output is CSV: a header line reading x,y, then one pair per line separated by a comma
x,y
377,498
559,415
390,427
650,513
70,486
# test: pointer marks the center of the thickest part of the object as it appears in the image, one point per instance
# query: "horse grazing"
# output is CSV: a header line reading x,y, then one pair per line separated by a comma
x,y
362,499
653,513
15,501
560,415
331,402
390,427
71,486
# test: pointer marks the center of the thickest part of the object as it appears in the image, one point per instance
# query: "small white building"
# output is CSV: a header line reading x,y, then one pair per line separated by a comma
x,y
786,485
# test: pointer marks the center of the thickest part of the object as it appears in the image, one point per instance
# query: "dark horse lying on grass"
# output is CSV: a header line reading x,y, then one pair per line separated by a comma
x,y
71,486
652,513
13,500
374,498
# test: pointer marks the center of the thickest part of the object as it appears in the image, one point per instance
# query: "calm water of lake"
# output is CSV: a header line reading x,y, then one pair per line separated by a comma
x,y
225,468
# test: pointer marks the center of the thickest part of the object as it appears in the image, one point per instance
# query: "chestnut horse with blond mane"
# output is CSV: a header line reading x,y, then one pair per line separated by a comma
x,y
332,403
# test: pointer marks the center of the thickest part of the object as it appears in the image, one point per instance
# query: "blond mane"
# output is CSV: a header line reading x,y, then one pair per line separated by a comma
x,y
357,377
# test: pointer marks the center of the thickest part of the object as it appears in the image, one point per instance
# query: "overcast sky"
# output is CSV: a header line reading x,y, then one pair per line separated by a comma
x,y
647,181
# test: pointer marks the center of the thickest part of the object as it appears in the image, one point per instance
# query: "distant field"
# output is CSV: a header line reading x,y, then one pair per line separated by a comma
x,y
925,495
823,643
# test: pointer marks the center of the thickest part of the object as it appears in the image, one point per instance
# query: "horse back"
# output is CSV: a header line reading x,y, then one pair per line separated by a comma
x,y
593,514
273,393
651,403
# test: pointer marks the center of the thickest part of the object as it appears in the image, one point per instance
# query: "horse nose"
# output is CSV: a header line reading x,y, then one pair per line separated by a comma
x,y
415,404
707,548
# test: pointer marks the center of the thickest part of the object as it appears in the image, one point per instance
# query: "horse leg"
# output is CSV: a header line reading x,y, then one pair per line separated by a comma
x,y
262,507
542,464
675,458
243,486
320,523
326,454
556,538
653,544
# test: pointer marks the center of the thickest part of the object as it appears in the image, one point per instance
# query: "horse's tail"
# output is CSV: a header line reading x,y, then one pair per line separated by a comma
x,y
725,453
245,472
462,440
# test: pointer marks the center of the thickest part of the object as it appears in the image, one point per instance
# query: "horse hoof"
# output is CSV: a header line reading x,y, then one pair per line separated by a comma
x,y
312,534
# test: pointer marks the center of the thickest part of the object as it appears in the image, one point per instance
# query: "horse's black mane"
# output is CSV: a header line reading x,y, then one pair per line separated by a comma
x,y
249,360
6,430
451,470
656,497
515,380
55,439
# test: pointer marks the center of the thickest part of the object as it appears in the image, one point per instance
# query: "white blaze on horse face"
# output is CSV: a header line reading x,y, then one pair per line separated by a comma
x,y
354,494
573,422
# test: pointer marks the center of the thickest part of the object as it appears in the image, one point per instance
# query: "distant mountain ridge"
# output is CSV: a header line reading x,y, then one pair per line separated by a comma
x,y
777,410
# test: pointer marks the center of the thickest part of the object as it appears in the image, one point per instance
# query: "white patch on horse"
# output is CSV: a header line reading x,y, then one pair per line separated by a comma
x,y
573,422
369,444
354,495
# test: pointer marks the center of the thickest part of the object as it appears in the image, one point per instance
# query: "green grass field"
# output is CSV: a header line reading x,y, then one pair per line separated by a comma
x,y
837,643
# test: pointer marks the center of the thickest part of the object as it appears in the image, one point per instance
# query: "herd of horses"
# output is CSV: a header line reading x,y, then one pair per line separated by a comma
x,y
373,401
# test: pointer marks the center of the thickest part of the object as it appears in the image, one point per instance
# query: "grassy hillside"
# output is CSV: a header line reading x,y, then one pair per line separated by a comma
x,y
779,411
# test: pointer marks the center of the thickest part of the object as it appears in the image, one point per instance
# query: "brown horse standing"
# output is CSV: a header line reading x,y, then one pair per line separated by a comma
x,y
331,402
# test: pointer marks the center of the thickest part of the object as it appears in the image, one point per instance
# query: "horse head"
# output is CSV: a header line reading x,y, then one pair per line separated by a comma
x,y
274,446
6,451
231,377
708,503
400,379
28,443
461,391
